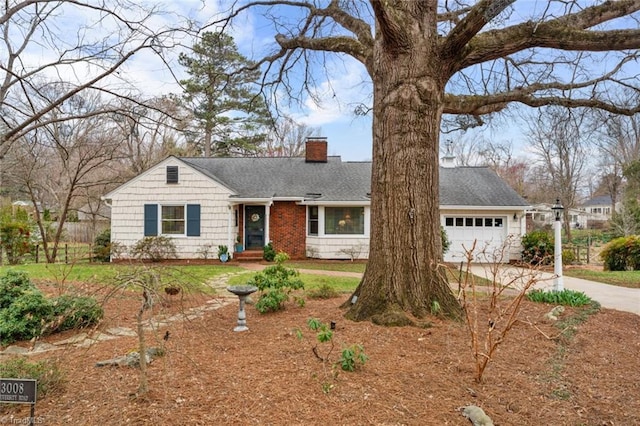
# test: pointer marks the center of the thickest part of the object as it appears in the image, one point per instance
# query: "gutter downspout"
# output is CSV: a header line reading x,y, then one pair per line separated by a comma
x,y
229,219
267,220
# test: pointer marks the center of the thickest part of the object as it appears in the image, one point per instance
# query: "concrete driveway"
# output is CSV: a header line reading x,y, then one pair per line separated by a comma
x,y
609,296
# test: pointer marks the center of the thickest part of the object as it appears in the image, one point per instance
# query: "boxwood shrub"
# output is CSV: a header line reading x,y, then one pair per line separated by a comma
x,y
12,285
102,246
75,312
622,254
25,317
26,313
537,248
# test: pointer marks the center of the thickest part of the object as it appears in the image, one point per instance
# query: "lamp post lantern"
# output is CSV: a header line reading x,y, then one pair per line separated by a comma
x,y
558,284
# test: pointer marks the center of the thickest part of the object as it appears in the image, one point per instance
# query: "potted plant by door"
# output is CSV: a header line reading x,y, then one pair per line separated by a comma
x,y
223,253
238,246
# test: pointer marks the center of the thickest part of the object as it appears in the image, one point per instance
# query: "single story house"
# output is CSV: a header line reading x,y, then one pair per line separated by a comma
x,y
317,206
543,215
599,209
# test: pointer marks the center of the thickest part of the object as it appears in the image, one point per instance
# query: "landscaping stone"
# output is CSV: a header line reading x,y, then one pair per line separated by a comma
x,y
72,340
121,331
15,350
85,343
555,313
476,415
101,337
40,347
132,359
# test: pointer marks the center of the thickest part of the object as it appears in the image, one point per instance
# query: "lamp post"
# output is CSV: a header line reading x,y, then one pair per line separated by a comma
x,y
558,284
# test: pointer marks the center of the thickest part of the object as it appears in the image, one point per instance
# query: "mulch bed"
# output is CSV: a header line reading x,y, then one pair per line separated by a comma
x,y
211,375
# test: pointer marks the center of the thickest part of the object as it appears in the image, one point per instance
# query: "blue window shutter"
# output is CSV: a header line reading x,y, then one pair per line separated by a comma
x,y
193,220
150,220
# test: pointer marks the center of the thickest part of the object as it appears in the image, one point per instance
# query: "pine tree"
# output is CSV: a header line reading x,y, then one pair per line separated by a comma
x,y
222,92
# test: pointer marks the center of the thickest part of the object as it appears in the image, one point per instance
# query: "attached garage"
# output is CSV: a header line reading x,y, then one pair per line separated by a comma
x,y
477,206
487,232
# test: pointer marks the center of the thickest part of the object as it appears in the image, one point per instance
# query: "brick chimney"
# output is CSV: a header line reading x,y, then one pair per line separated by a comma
x,y
316,149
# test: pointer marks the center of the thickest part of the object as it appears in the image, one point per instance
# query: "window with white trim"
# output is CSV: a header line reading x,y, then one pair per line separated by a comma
x,y
173,220
313,220
344,220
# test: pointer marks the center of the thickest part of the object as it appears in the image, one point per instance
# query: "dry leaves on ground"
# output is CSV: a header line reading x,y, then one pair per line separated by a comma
x,y
414,376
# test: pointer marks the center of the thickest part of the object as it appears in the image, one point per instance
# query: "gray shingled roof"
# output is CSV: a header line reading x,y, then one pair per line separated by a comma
x,y
600,200
344,181
476,186
289,177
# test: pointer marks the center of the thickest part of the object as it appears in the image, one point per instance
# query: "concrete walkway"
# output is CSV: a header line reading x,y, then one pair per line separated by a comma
x,y
609,296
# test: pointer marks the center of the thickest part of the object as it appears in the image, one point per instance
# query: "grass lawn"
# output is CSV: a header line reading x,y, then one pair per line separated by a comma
x,y
630,279
342,266
311,281
194,275
105,273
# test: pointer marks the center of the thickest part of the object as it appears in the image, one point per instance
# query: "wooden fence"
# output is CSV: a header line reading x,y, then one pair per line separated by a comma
x,y
83,232
67,253
78,245
582,253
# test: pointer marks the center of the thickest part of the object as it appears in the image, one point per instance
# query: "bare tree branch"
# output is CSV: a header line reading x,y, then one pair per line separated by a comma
x,y
565,33
103,55
481,14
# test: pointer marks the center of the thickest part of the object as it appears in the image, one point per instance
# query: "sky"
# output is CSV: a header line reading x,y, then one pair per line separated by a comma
x,y
349,135
345,85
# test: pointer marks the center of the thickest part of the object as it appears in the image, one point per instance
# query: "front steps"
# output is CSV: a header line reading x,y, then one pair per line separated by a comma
x,y
248,256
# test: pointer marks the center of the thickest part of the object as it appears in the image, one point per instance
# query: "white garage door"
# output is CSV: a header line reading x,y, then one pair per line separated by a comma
x,y
490,233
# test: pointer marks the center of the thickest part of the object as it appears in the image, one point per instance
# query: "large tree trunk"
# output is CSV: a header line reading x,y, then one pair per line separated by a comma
x,y
404,274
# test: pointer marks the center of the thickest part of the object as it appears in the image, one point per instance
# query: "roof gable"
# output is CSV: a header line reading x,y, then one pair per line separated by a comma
x,y
169,161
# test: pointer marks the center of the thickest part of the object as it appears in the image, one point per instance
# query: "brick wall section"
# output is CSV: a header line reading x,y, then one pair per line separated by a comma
x,y
316,150
288,228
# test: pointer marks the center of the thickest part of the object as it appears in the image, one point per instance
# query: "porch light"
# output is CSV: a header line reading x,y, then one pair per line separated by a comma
x,y
557,209
557,248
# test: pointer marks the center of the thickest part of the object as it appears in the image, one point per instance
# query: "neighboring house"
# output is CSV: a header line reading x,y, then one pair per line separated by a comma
x,y
25,205
598,209
316,206
30,208
542,215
